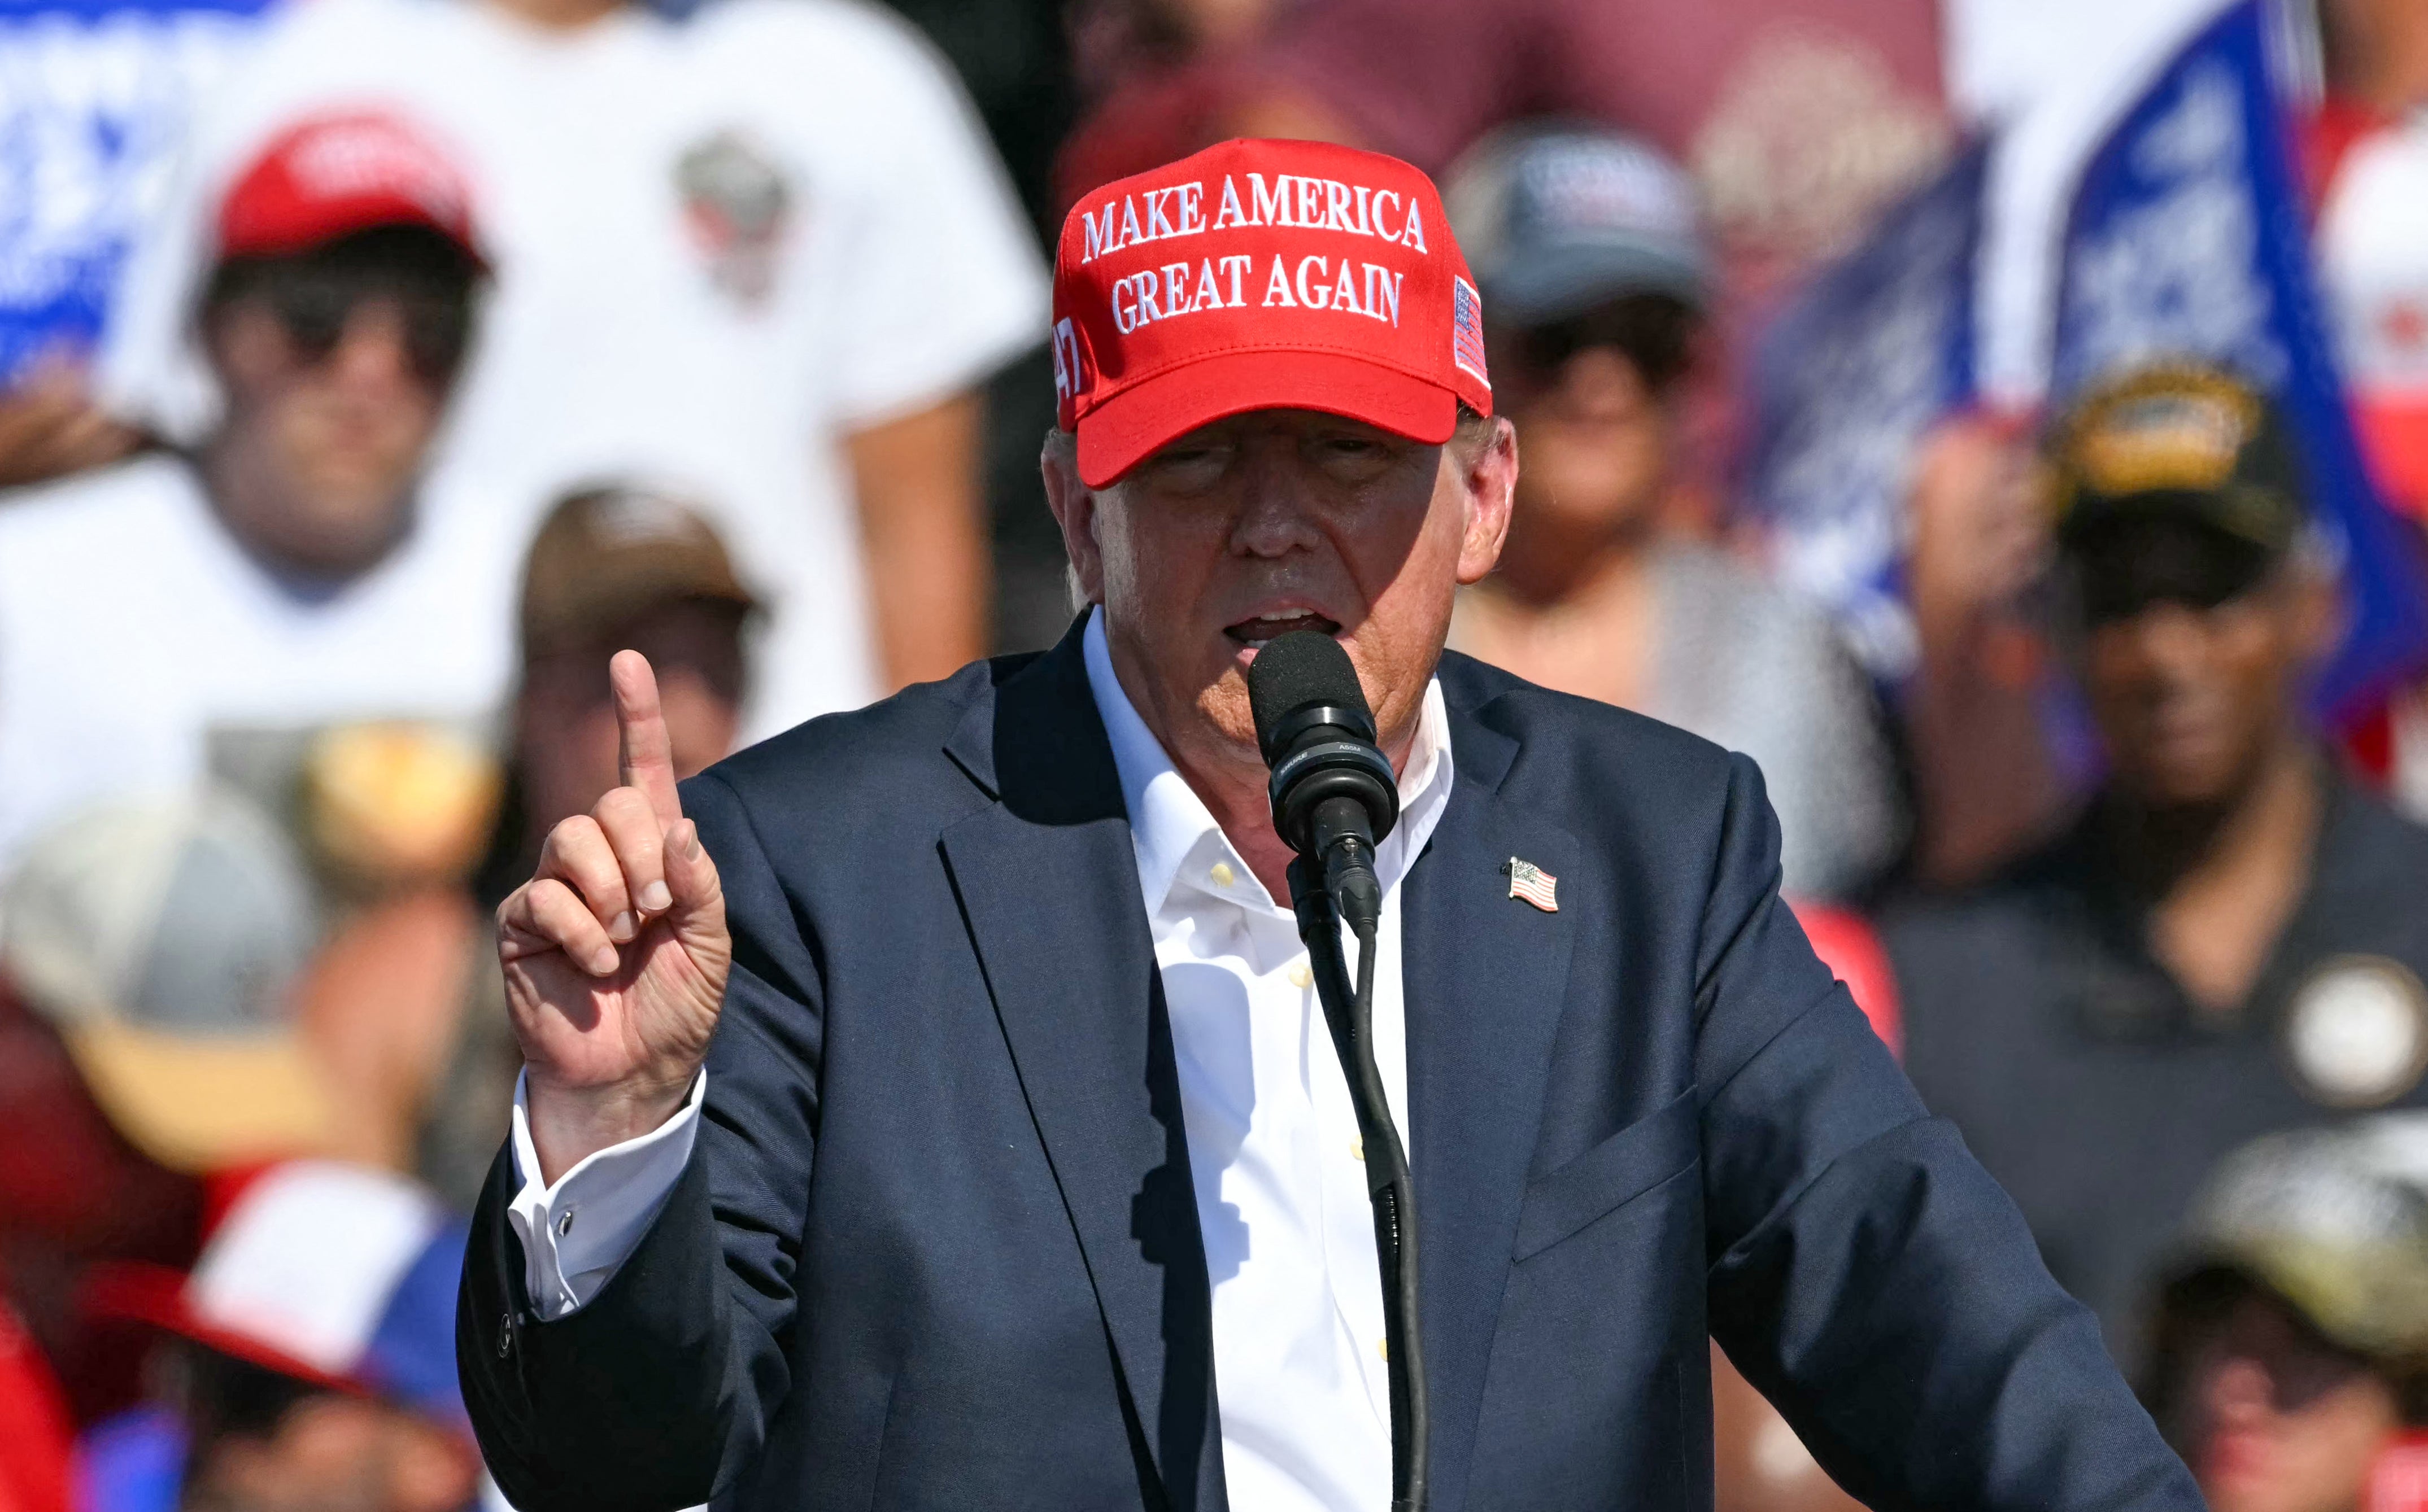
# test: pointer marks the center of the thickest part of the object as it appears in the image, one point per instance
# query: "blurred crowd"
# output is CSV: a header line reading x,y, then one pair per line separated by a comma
x,y
370,370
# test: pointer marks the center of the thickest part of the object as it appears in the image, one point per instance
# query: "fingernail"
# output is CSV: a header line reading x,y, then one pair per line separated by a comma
x,y
621,927
603,964
655,897
689,840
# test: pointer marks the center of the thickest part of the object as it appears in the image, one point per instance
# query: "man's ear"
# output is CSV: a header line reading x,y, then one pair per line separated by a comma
x,y
1487,463
1074,510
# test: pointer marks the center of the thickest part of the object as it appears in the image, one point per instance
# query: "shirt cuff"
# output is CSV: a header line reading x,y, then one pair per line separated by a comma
x,y
577,1233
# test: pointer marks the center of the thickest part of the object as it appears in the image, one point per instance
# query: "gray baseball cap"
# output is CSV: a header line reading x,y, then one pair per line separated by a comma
x,y
1558,217
163,937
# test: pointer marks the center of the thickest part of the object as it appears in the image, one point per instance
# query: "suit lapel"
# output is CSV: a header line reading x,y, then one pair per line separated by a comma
x,y
1486,975
1048,885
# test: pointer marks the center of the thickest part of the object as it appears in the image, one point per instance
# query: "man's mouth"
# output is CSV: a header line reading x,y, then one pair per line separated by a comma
x,y
1254,633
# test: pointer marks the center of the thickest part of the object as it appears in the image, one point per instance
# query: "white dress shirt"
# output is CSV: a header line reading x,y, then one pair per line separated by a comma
x,y
1273,1150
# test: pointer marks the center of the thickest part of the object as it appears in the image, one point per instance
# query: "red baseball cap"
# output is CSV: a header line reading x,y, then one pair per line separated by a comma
x,y
1259,275
334,176
338,1276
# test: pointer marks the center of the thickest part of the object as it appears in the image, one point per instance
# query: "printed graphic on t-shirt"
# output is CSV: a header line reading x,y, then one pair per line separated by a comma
x,y
377,806
738,206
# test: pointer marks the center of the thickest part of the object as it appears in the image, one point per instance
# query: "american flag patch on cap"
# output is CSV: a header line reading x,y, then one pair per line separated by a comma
x,y
1534,885
1467,328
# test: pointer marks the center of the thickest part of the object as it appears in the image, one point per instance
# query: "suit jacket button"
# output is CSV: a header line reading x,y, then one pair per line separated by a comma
x,y
505,1334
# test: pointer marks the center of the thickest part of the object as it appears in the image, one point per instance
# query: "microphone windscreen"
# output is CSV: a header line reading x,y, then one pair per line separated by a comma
x,y
1295,670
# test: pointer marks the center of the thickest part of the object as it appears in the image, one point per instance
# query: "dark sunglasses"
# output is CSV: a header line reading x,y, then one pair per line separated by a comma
x,y
314,305
1654,333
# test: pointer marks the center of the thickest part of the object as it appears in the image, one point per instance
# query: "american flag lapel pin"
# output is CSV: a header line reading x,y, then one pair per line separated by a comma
x,y
1534,883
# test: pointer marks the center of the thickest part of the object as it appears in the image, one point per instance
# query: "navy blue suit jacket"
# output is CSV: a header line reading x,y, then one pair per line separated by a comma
x,y
937,1245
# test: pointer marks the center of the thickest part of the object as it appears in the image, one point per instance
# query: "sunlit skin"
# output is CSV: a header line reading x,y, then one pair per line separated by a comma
x,y
2280,1421
616,951
1216,541
335,1452
314,468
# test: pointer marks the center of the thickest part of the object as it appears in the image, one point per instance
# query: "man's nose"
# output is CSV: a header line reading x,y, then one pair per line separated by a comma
x,y
2240,1393
1275,503
373,347
1601,384
2171,639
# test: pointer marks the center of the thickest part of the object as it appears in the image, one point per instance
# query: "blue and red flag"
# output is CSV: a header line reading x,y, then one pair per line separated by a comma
x,y
2187,240
1878,349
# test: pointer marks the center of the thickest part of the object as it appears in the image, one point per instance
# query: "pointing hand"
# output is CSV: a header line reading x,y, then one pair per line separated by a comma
x,y
616,951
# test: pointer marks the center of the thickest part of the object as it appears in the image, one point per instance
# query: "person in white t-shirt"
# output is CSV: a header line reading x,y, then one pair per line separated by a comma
x,y
761,257
291,573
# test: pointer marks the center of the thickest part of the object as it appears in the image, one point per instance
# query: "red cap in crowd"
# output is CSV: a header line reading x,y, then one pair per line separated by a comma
x,y
338,1276
334,176
1260,275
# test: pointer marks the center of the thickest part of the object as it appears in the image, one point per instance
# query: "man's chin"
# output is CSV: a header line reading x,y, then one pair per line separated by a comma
x,y
2241,1475
1223,708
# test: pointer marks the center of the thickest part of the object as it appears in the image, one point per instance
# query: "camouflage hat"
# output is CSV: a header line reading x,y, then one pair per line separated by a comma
x,y
2332,1220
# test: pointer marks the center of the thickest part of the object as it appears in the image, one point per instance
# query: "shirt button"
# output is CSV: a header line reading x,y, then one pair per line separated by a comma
x,y
1382,1347
1300,977
1223,874
565,1224
1357,1147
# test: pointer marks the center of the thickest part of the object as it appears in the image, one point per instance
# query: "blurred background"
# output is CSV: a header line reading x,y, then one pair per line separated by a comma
x,y
2006,420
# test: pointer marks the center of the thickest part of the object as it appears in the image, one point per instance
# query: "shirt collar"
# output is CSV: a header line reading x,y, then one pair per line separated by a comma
x,y
1168,822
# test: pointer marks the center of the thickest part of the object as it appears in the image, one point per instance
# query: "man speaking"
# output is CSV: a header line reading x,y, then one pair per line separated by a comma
x,y
932,1107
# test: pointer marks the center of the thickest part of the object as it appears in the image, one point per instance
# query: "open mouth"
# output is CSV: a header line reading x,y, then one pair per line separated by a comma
x,y
1255,632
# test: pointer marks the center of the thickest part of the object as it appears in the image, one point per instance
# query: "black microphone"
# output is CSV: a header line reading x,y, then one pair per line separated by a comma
x,y
1333,792
1334,797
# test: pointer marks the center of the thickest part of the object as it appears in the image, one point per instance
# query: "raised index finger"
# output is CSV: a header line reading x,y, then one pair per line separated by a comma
x,y
645,755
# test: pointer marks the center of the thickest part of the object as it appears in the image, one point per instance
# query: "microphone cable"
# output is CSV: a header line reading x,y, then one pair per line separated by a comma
x,y
1334,798
1349,1012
